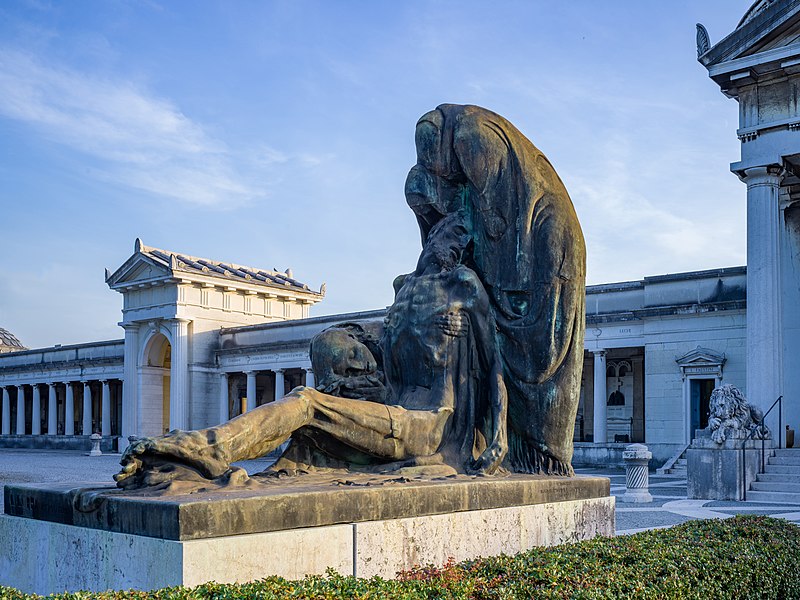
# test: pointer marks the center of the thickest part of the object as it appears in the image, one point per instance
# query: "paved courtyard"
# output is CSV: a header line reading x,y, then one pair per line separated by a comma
x,y
670,505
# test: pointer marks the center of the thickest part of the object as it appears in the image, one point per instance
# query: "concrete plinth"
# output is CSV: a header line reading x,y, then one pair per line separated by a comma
x,y
714,471
44,556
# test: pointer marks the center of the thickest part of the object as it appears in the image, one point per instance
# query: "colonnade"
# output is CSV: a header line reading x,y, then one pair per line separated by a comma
x,y
279,390
628,419
58,417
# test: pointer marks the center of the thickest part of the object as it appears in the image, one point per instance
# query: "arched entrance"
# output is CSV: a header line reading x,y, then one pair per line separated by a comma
x,y
155,388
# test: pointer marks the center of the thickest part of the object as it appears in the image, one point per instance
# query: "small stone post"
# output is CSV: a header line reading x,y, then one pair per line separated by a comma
x,y
95,451
637,476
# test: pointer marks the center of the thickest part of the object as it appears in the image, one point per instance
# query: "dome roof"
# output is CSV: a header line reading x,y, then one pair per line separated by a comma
x,y
9,342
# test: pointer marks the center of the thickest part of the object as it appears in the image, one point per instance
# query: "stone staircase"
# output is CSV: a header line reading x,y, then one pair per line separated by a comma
x,y
780,481
677,468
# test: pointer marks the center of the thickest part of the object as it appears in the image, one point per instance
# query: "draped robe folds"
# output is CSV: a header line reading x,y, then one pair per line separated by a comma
x,y
530,255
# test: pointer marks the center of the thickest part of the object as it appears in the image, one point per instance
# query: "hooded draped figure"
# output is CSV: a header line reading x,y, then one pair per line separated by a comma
x,y
529,253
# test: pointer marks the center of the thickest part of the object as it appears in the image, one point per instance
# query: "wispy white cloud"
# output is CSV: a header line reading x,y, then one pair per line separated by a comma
x,y
143,141
635,221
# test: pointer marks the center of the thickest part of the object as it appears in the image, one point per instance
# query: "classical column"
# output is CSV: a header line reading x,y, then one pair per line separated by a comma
x,y
52,409
20,410
764,334
310,378
105,424
6,412
36,411
86,428
179,375
224,410
600,431
250,403
279,383
130,400
69,411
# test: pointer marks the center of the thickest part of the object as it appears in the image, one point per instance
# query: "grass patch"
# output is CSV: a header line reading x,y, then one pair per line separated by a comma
x,y
742,557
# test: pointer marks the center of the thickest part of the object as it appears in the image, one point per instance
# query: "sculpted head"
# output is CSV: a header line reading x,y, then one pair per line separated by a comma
x,y
337,351
446,244
726,402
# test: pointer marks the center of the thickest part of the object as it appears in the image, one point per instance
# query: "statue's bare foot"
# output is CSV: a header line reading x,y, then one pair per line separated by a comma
x,y
489,460
194,449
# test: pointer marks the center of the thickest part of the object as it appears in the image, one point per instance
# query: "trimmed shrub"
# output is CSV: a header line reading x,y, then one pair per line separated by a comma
x,y
742,557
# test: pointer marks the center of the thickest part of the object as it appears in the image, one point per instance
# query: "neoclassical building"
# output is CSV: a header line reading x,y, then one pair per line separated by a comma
x,y
165,374
758,65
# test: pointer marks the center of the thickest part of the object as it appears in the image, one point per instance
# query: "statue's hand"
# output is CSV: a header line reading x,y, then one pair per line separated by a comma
x,y
453,324
489,460
189,449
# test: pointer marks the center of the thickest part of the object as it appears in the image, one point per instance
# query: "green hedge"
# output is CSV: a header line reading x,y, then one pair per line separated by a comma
x,y
743,557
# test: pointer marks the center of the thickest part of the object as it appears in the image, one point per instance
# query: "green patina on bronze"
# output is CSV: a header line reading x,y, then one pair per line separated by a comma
x,y
476,369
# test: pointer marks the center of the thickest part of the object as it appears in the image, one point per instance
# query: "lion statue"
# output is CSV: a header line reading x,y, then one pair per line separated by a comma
x,y
732,416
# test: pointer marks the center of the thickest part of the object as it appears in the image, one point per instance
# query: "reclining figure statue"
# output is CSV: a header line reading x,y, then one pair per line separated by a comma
x,y
477,367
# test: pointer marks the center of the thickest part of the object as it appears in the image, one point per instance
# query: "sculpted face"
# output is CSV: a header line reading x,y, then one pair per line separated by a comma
x,y
446,244
341,352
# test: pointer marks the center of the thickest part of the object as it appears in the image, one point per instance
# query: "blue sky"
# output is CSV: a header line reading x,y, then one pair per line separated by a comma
x,y
279,134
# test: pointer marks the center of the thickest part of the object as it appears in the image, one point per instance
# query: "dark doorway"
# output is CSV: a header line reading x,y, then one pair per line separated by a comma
x,y
700,395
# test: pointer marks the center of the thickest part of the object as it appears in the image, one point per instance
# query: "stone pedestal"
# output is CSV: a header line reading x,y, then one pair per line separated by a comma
x,y
96,439
637,474
130,542
714,471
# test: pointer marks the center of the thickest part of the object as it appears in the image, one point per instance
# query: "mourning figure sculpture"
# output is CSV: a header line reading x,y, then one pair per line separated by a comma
x,y
477,366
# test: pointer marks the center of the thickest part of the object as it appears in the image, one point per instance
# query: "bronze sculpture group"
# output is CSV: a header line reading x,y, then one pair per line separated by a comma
x,y
477,366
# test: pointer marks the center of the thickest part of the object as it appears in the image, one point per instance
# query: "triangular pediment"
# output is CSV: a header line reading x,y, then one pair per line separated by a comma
x,y
767,25
701,356
138,268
